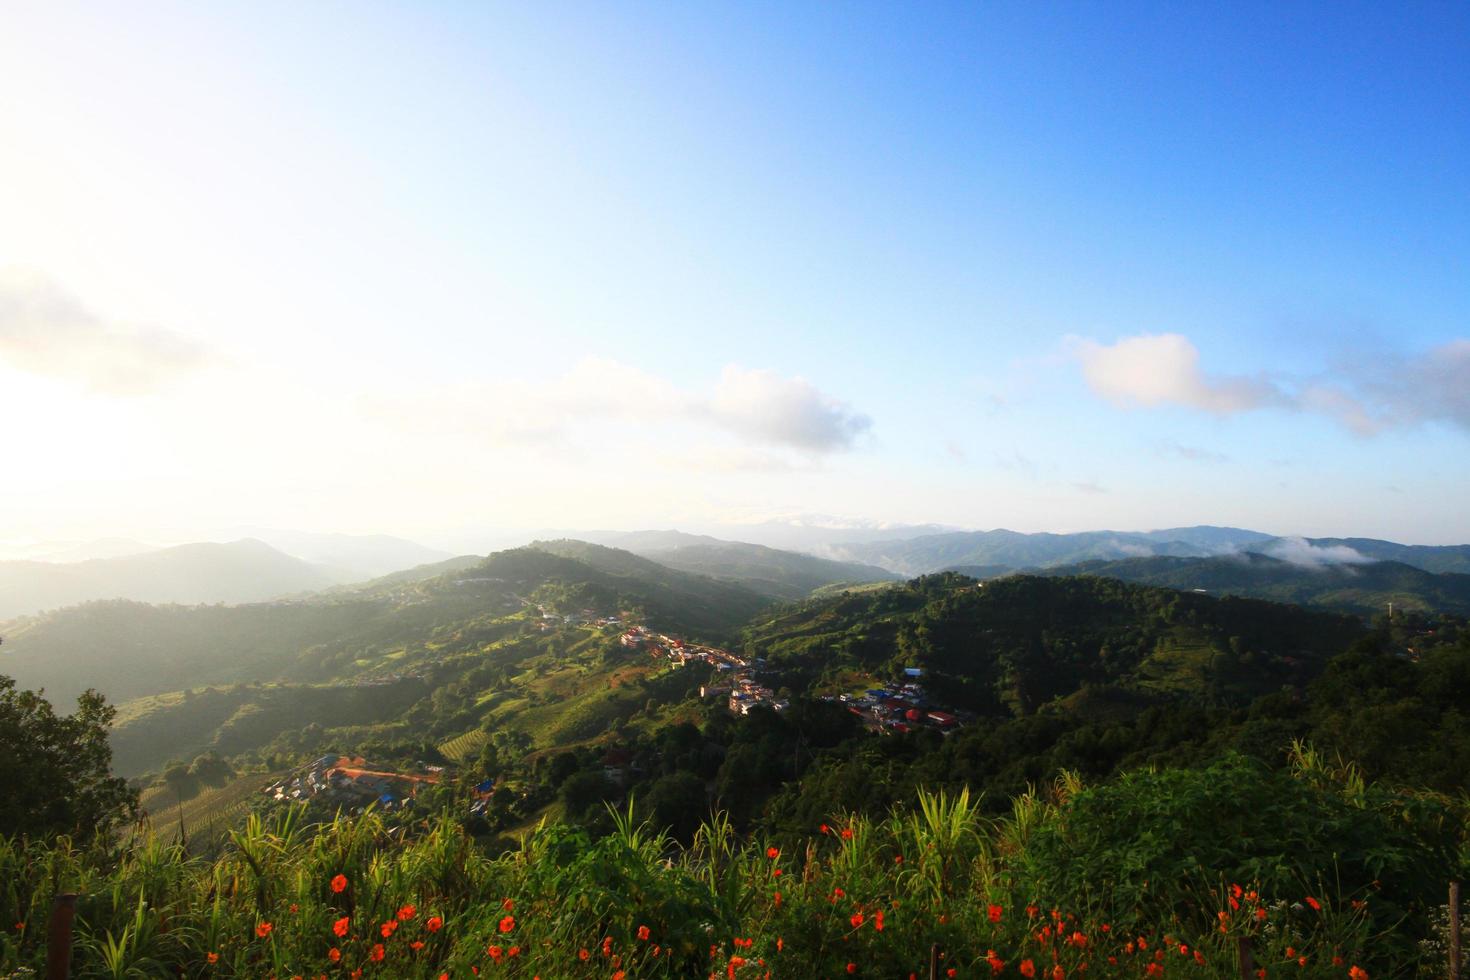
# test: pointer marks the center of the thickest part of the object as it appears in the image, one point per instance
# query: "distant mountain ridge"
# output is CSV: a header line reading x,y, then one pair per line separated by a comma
x,y
1015,550
241,571
1363,588
769,571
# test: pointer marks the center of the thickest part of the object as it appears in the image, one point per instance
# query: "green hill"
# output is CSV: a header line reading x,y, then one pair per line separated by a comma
x,y
1365,588
1010,646
129,650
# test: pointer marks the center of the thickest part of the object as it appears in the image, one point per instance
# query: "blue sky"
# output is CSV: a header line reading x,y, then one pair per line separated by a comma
x,y
420,268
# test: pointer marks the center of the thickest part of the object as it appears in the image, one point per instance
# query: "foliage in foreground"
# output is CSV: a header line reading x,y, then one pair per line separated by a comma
x,y
1125,879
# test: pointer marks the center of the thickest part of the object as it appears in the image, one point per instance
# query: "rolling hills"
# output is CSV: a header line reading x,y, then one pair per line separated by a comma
x,y
1362,588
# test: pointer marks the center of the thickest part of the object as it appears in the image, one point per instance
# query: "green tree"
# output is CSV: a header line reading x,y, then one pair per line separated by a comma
x,y
56,769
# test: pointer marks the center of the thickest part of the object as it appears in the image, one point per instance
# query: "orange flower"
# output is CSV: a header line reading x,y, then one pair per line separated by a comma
x,y
1358,973
780,944
847,833
513,951
642,932
341,926
617,975
508,923
377,954
495,953
434,924
263,929
582,955
334,954
1028,969
1057,973
416,945
339,884
213,958
407,912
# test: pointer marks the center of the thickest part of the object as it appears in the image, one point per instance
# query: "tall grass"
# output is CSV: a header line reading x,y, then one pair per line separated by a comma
x,y
862,896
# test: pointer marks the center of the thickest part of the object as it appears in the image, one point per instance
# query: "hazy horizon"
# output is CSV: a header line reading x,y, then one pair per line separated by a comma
x,y
435,271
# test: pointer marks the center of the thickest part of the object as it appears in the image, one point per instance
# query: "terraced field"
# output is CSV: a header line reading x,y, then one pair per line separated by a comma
x,y
207,815
466,746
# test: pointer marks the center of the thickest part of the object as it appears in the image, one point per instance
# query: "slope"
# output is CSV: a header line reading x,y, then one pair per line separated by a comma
x,y
1365,589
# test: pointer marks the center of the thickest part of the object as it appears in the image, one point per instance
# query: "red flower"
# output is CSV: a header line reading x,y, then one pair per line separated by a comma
x,y
341,926
339,884
334,954
387,927
582,955
377,954
1316,906
1358,973
847,833
824,829
856,920
508,923
1057,973
1028,969
263,929
495,953
995,913
407,912
878,920
509,904
434,924
852,968
213,958
642,932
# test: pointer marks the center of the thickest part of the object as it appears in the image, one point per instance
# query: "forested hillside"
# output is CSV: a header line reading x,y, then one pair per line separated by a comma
x,y
1364,588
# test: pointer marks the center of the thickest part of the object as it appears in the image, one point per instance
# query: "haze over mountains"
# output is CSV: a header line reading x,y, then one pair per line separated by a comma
x,y
273,564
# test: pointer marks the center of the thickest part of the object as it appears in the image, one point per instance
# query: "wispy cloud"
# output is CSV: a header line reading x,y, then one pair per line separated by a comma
x,y
1192,453
1367,396
46,330
758,407
1300,551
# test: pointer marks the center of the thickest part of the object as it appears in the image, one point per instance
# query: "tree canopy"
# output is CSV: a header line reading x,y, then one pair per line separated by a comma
x,y
55,770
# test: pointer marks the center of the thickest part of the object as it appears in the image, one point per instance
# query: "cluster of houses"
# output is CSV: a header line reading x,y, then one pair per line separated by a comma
x,y
741,688
350,781
899,708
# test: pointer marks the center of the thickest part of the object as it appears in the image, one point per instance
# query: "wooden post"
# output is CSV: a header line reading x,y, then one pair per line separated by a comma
x,y
1454,930
58,937
934,962
1247,958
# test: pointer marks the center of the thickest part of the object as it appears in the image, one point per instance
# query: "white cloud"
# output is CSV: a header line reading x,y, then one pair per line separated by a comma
x,y
762,406
1367,396
1163,369
758,407
45,330
1300,551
